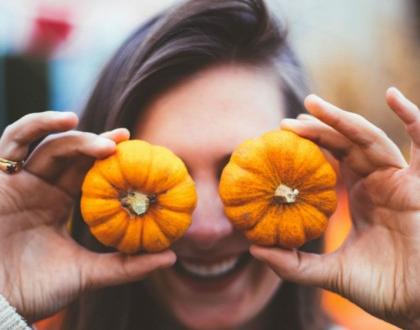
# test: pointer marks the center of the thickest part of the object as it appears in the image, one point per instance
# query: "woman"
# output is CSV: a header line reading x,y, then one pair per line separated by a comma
x,y
199,79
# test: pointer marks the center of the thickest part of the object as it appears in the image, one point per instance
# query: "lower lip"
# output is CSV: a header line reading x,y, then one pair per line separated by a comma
x,y
212,284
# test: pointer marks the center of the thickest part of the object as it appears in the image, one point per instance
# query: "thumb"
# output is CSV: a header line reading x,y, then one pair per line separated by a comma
x,y
101,270
300,267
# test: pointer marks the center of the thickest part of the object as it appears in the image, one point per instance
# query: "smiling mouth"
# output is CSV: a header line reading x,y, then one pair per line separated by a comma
x,y
212,271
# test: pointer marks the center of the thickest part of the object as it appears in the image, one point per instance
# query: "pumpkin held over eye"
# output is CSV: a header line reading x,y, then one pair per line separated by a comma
x,y
139,199
278,189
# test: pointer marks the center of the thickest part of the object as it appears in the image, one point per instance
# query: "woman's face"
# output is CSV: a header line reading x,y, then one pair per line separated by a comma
x,y
215,283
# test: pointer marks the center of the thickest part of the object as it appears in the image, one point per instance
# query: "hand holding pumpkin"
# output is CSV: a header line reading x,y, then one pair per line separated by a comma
x,y
377,267
42,268
139,199
279,189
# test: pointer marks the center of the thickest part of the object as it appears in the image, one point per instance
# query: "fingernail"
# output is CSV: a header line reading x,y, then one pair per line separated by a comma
x,y
67,118
119,129
123,129
314,97
305,116
253,249
66,114
397,92
104,143
170,259
314,104
290,123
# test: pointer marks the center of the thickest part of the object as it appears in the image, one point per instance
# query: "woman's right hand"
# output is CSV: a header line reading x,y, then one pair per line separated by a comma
x,y
42,269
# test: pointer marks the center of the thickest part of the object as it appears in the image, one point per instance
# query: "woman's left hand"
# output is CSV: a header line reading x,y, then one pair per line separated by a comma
x,y
378,266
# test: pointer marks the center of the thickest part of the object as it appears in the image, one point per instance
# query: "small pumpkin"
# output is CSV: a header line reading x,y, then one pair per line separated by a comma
x,y
278,189
139,199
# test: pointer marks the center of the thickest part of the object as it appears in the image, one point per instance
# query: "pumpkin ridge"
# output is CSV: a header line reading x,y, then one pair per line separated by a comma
x,y
120,168
174,209
141,231
262,195
277,231
312,174
174,183
243,202
110,183
328,211
160,227
282,138
93,194
103,219
262,190
129,184
87,195
164,230
150,165
117,239
260,176
150,222
256,172
312,171
88,205
315,190
307,228
277,179
264,213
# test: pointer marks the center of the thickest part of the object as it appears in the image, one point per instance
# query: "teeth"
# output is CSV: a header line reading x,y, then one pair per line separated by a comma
x,y
216,269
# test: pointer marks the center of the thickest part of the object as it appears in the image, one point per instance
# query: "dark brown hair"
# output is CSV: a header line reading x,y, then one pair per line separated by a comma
x,y
170,47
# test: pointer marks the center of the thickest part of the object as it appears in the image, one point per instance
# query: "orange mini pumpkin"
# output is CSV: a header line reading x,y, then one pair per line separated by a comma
x,y
278,189
140,198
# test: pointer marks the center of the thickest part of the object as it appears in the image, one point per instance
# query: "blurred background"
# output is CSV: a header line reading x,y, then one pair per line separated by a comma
x,y
52,51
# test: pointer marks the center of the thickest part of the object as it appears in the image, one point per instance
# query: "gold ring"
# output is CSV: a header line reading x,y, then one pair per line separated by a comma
x,y
9,166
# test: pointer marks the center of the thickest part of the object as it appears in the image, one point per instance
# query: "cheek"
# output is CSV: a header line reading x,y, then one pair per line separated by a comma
x,y
234,306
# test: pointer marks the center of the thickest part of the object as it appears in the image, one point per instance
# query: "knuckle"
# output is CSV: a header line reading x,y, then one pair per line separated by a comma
x,y
380,132
361,120
9,149
358,117
8,131
379,136
74,137
339,122
38,116
24,125
303,116
30,117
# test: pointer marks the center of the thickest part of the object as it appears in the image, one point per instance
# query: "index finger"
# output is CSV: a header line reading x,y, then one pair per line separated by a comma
x,y
353,126
409,113
17,137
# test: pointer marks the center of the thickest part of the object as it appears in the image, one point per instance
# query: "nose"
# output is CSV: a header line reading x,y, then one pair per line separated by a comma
x,y
209,223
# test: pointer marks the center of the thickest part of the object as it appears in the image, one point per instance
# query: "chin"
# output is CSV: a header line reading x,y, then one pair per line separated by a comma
x,y
229,293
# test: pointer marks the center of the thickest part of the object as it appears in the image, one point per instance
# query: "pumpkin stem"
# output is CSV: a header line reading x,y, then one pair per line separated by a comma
x,y
285,194
137,203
